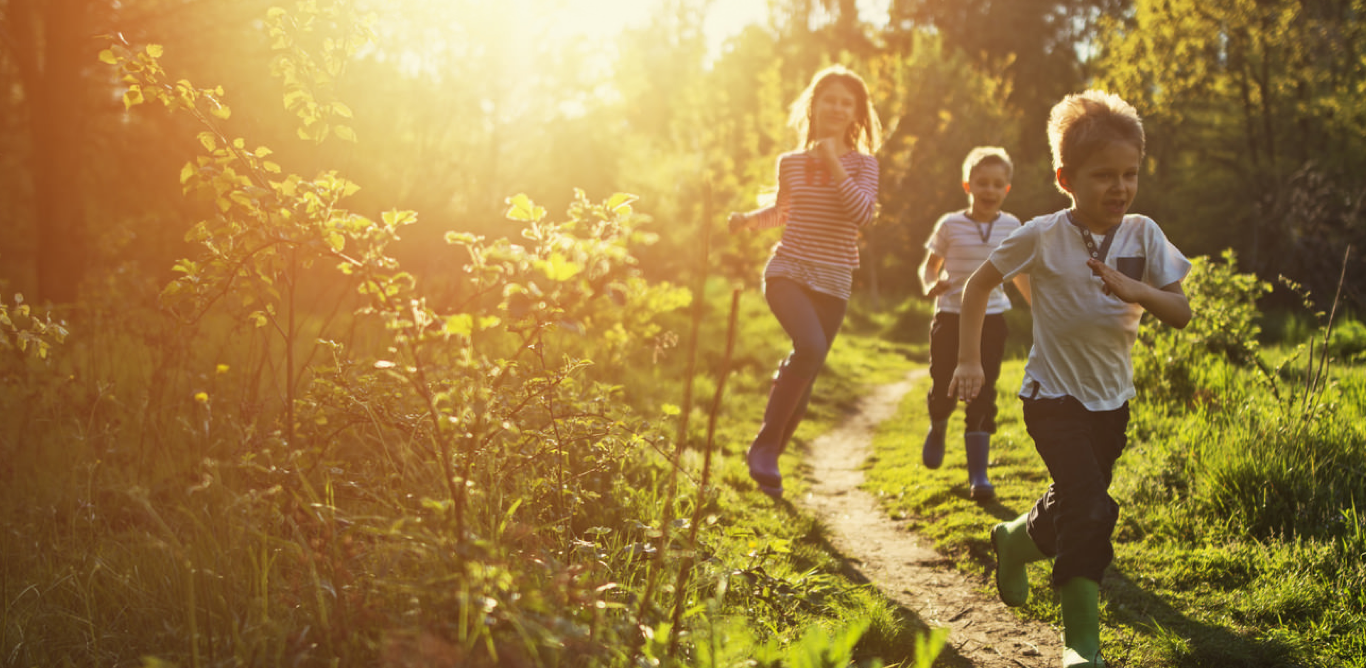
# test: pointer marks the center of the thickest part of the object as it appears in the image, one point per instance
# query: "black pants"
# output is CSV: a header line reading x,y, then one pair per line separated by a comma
x,y
980,412
1074,519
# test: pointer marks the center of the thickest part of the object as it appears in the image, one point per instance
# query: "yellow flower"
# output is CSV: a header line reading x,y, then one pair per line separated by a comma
x,y
202,397
222,368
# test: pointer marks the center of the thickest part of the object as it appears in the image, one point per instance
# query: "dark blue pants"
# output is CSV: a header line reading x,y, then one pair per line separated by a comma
x,y
1074,519
812,319
980,414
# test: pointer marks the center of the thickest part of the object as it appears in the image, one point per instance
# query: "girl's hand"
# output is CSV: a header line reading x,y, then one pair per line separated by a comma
x,y
828,149
967,381
940,287
738,221
1113,282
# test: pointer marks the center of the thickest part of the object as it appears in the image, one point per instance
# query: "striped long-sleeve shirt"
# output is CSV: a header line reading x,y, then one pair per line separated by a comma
x,y
821,218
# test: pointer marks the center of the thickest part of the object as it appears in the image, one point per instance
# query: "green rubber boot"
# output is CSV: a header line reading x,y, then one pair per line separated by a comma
x,y
1014,548
1080,599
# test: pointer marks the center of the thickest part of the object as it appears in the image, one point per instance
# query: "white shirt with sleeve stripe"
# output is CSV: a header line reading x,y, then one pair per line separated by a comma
x,y
1083,338
959,240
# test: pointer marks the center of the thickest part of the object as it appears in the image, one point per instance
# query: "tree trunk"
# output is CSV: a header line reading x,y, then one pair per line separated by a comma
x,y
59,47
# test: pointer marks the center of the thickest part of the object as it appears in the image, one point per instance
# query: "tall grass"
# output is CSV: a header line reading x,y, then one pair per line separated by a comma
x,y
1240,535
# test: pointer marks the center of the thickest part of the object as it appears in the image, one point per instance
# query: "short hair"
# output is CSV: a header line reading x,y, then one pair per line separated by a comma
x,y
987,155
1083,123
865,133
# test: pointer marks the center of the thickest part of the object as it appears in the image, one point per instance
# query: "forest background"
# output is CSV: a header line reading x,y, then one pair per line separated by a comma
x,y
1253,109
207,377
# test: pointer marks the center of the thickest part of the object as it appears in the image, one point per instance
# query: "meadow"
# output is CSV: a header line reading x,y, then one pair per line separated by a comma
x,y
1240,540
288,447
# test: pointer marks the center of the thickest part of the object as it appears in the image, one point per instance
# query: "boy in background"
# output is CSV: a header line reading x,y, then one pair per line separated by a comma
x,y
959,244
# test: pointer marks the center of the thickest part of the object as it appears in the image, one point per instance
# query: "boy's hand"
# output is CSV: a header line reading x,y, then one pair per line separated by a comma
x,y
967,381
939,288
1113,282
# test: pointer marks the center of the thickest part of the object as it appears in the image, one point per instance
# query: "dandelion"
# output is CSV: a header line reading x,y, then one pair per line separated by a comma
x,y
202,397
222,369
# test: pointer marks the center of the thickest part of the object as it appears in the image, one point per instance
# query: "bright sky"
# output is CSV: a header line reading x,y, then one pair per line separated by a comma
x,y
725,18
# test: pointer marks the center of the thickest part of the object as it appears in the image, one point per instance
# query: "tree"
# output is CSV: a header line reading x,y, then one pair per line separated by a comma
x,y
1038,46
1255,122
47,44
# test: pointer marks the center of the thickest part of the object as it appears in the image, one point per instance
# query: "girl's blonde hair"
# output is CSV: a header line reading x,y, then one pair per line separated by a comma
x,y
1083,123
864,134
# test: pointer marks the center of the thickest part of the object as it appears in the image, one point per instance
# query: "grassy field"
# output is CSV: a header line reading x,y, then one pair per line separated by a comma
x,y
152,514
1240,540
524,495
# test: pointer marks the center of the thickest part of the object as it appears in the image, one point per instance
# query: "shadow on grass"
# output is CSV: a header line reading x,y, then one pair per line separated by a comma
x,y
1185,642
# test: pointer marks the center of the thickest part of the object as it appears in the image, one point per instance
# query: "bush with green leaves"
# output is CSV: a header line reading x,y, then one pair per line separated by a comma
x,y
430,479
26,332
1168,362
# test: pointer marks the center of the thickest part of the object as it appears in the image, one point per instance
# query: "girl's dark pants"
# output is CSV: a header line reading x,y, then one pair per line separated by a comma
x,y
1074,519
981,412
812,319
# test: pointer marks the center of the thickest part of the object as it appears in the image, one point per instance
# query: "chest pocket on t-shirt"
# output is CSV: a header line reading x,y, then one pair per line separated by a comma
x,y
1131,266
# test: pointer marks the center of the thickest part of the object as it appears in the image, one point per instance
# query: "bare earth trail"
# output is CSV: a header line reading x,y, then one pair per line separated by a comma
x,y
983,632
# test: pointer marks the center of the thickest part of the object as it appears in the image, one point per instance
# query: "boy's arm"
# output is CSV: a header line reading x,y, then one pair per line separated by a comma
x,y
1168,303
929,275
968,378
1021,282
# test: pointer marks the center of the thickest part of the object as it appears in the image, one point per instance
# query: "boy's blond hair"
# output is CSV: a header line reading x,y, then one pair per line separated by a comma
x,y
1083,123
987,155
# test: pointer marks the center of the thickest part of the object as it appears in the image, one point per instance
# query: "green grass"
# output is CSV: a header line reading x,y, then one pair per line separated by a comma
x,y
138,521
1198,579
140,525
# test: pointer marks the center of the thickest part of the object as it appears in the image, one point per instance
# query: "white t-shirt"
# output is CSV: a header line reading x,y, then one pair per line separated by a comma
x,y
965,244
1082,336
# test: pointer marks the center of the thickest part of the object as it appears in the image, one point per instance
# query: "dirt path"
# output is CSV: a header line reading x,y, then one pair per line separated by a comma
x,y
983,632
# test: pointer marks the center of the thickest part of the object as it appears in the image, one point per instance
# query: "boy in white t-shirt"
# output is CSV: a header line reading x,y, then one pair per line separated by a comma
x,y
959,244
1093,271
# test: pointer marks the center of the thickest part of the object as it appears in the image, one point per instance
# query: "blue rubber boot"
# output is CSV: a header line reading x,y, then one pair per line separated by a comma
x,y
1014,548
784,399
932,453
978,444
1080,598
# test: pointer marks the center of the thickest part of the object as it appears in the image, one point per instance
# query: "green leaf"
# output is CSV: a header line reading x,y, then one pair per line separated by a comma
x,y
460,324
620,203
155,50
241,198
208,141
394,218
344,133
132,97
107,56
557,268
336,240
520,207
